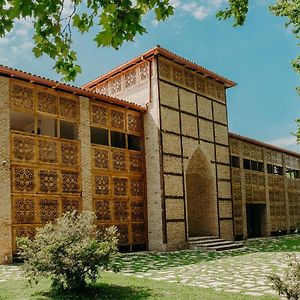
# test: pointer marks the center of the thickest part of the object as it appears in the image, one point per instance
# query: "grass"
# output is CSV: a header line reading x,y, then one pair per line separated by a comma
x,y
118,287
144,262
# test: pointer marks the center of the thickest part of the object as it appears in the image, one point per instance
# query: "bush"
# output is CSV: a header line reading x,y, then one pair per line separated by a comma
x,y
69,252
289,284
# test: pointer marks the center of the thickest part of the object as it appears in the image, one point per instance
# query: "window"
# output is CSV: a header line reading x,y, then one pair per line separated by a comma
x,y
134,142
292,173
273,169
254,165
21,122
68,130
269,169
117,139
99,136
234,161
247,164
47,126
260,166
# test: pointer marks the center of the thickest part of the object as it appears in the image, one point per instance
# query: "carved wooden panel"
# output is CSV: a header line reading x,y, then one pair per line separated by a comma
x,y
117,119
130,78
69,154
21,96
134,123
138,233
137,187
23,179
101,185
48,181
120,186
49,209
23,210
119,160
69,108
99,115
121,210
48,151
123,233
144,71
70,182
135,162
101,158
137,210
23,148
47,102
116,85
71,204
102,210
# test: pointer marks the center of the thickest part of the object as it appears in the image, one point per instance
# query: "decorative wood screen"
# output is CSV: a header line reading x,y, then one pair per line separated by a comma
x,y
118,173
45,171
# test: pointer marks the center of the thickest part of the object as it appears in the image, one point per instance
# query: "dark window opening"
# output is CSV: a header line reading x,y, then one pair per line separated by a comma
x,y
269,169
134,142
117,139
292,173
21,122
234,161
99,136
278,170
47,126
260,166
247,164
254,165
68,130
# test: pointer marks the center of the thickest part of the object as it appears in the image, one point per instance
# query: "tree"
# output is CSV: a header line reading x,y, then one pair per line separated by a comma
x,y
290,9
69,252
118,20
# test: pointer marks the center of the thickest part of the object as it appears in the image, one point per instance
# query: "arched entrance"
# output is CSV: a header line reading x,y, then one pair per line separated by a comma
x,y
201,196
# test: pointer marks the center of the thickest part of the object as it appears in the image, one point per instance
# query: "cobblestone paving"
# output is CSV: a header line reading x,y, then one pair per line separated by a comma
x,y
245,274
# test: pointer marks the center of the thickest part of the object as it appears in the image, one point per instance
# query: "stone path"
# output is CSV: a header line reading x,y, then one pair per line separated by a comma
x,y
9,272
245,274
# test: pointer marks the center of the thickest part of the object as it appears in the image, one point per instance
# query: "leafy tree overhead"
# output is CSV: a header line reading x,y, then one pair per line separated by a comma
x,y
118,21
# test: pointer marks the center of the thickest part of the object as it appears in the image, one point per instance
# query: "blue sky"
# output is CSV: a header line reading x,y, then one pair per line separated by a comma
x,y
257,56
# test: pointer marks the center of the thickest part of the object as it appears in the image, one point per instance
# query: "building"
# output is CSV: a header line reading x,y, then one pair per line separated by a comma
x,y
156,165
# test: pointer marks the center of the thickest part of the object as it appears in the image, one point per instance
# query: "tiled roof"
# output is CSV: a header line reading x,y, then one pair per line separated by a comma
x,y
10,72
168,54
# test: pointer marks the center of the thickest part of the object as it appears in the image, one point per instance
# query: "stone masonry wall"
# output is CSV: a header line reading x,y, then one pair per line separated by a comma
x,y
5,198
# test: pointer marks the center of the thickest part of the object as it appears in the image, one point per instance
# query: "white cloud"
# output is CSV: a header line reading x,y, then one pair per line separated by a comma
x,y
200,9
284,142
18,43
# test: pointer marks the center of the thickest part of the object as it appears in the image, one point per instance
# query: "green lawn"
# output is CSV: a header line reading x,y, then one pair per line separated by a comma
x,y
119,287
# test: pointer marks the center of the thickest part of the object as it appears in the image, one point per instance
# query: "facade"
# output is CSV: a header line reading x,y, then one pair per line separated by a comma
x,y
157,167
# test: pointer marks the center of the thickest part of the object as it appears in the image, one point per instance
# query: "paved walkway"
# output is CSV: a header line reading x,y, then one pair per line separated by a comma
x,y
245,274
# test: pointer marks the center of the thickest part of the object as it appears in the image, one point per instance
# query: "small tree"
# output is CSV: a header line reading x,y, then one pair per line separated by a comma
x,y
69,252
289,284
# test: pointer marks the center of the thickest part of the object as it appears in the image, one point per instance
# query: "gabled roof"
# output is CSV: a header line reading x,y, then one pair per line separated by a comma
x,y
165,53
14,73
262,144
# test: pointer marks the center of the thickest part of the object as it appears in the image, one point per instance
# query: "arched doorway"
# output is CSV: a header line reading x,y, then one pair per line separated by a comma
x,y
201,196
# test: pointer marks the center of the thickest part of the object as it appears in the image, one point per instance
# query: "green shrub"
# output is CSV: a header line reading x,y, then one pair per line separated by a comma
x,y
289,284
70,252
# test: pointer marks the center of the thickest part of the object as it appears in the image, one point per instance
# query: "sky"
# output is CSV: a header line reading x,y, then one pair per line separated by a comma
x,y
264,104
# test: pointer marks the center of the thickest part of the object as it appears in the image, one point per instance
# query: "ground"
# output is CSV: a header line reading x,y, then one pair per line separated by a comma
x,y
239,274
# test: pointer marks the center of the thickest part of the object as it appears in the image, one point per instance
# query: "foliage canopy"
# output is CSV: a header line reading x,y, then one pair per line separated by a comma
x,y
117,20
69,251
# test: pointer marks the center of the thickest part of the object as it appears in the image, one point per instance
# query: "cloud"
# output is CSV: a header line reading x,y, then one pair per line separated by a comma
x,y
18,43
285,142
200,9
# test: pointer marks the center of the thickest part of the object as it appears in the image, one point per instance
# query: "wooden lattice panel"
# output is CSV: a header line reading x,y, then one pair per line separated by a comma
x,y
118,176
45,171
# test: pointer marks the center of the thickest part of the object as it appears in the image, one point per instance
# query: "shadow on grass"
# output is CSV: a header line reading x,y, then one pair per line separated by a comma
x,y
100,291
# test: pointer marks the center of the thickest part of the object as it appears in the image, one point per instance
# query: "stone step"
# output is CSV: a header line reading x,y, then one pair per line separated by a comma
x,y
231,246
212,243
204,242
198,238
215,243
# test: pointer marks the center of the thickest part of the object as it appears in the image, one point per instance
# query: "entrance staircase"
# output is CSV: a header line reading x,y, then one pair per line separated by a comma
x,y
212,243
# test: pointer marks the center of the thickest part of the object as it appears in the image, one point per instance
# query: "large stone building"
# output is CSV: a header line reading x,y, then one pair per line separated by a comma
x,y
156,165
